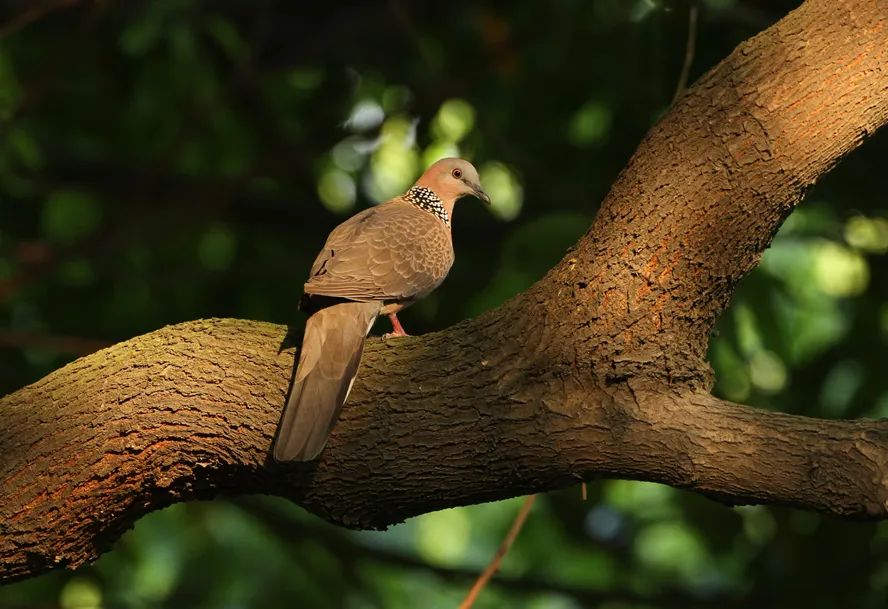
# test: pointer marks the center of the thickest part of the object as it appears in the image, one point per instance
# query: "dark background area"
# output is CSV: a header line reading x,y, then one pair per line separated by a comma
x,y
172,160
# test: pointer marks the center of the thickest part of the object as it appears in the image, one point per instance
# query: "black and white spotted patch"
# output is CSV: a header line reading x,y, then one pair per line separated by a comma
x,y
425,198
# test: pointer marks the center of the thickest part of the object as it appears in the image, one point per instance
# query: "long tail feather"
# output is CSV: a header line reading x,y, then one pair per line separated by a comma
x,y
328,363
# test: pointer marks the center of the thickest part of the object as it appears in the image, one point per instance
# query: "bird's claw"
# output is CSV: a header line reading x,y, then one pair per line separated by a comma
x,y
389,335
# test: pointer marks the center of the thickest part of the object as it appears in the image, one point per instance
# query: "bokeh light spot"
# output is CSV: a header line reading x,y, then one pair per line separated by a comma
x,y
767,371
454,120
506,193
591,124
337,190
81,593
437,150
840,271
672,547
868,235
365,115
394,165
443,537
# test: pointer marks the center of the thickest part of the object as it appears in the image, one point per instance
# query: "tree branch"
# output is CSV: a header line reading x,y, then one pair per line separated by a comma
x,y
693,9
709,186
597,371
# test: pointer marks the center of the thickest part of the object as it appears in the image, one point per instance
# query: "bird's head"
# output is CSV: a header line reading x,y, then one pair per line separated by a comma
x,y
452,179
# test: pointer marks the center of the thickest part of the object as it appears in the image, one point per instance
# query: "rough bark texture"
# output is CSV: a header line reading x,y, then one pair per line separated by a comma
x,y
597,370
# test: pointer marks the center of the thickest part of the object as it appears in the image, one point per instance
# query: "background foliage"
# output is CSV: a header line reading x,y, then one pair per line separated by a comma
x,y
171,160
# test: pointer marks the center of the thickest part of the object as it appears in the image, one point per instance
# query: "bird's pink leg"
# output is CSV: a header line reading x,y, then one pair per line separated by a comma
x,y
397,328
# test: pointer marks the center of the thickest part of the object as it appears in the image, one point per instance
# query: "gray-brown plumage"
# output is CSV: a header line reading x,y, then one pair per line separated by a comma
x,y
376,262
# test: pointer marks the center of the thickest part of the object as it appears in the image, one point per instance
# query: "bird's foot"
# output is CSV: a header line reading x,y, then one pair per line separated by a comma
x,y
394,334
397,328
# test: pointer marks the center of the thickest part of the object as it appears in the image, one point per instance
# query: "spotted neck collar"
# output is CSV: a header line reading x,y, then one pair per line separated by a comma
x,y
426,199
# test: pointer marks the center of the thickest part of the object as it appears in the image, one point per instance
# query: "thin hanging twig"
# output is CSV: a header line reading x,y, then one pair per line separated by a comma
x,y
500,553
689,53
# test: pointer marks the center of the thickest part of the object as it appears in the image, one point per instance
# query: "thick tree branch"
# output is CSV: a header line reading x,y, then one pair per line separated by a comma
x,y
705,192
598,370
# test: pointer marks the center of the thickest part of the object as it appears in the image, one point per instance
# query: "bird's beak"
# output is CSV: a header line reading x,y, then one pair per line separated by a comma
x,y
479,192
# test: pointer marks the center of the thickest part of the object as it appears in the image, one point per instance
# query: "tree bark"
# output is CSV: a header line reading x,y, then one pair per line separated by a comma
x,y
598,370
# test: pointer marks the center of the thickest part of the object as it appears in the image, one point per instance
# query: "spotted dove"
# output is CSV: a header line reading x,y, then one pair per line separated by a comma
x,y
376,262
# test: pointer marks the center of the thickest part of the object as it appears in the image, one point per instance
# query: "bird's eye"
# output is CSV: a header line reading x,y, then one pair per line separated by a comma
x,y
456,173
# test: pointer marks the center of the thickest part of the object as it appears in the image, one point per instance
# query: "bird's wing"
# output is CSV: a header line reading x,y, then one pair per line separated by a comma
x,y
392,252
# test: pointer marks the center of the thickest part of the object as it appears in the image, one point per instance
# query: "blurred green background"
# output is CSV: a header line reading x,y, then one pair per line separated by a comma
x,y
171,160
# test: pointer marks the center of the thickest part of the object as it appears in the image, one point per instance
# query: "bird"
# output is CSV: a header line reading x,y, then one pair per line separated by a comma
x,y
377,262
